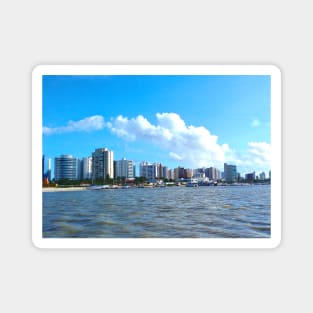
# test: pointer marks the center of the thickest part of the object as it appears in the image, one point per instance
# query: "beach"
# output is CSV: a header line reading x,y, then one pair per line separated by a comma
x,y
57,189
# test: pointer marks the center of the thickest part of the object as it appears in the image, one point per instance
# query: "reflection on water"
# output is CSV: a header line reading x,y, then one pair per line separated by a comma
x,y
173,212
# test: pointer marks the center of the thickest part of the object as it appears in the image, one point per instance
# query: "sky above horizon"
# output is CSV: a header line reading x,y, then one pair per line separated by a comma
x,y
191,121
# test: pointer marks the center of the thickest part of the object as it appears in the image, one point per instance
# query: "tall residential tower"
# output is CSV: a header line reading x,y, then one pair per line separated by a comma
x,y
66,167
230,173
102,164
86,168
124,168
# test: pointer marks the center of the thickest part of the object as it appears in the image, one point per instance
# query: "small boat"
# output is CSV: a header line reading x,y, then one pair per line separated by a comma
x,y
148,186
98,187
192,183
95,187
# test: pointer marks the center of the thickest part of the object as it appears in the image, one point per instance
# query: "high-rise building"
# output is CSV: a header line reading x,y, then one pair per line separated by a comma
x,y
230,173
171,173
217,174
86,168
150,171
250,177
147,170
159,170
66,167
124,168
199,172
79,169
46,168
179,173
43,167
212,173
165,172
188,173
102,164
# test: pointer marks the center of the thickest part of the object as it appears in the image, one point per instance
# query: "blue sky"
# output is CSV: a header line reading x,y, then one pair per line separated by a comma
x,y
189,121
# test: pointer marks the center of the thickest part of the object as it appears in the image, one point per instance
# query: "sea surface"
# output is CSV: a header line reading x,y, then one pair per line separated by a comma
x,y
170,212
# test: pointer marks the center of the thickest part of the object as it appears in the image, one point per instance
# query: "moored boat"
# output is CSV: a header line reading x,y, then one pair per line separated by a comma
x,y
98,187
192,185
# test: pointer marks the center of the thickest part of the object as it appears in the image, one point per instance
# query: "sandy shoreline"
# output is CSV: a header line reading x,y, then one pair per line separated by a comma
x,y
53,189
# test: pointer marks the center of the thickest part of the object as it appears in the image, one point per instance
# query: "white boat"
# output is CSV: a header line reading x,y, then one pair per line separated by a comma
x,y
192,183
98,187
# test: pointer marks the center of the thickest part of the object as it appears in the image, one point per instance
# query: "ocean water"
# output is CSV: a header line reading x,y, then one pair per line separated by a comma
x,y
171,212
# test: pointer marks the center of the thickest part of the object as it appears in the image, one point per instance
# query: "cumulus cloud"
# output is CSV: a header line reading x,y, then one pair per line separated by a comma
x,y
259,152
257,157
193,144
87,124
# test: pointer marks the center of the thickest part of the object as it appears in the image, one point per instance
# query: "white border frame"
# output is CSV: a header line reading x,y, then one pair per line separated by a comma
x,y
166,243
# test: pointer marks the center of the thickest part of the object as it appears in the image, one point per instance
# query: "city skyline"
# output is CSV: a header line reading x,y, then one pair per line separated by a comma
x,y
190,121
50,172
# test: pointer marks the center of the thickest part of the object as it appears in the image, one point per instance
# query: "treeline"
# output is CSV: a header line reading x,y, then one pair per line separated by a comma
x,y
100,181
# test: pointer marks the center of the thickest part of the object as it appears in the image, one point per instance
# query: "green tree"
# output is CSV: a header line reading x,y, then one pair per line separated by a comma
x,y
140,180
108,180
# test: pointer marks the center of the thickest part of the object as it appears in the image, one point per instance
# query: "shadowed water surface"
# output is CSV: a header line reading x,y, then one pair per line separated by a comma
x,y
217,212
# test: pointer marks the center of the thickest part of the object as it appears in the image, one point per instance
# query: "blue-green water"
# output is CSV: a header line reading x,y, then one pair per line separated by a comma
x,y
172,212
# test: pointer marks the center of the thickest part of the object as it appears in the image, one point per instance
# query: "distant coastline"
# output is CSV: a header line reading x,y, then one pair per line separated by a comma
x,y
101,187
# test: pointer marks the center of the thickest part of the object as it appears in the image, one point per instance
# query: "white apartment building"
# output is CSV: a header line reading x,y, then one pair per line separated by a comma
x,y
102,164
124,168
150,171
86,168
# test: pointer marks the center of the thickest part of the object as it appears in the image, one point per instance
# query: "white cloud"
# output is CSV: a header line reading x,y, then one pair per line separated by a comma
x,y
259,152
256,158
87,124
175,156
193,144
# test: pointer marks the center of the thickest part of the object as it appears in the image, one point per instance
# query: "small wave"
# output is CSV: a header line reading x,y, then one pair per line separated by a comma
x,y
222,233
71,220
103,223
261,228
143,224
146,235
69,228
